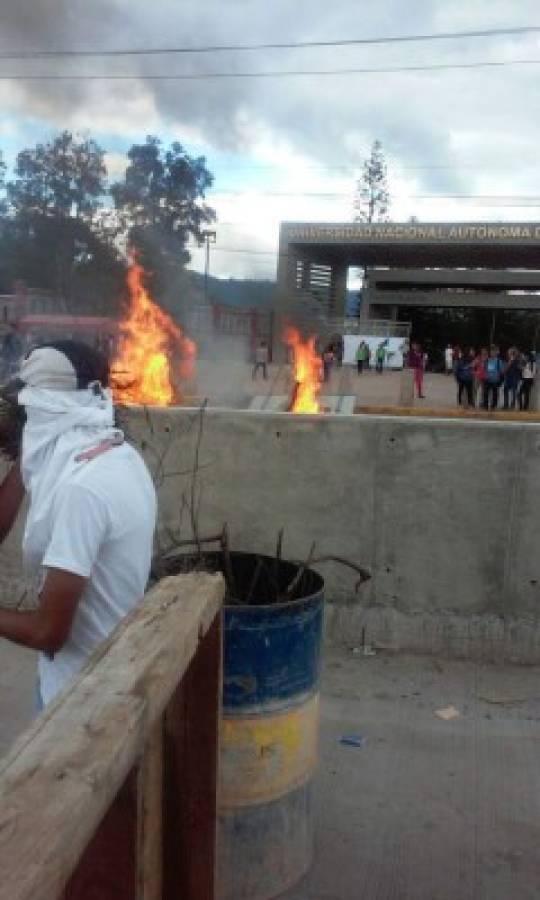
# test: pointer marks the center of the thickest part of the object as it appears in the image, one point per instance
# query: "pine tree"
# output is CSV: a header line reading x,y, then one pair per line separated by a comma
x,y
372,197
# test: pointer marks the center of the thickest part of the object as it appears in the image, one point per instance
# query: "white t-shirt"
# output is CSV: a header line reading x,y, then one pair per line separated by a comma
x,y
101,526
449,357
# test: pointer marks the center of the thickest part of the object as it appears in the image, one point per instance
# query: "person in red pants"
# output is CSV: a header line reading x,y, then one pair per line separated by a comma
x,y
416,362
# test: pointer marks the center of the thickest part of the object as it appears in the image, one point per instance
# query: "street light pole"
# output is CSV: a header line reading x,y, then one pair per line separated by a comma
x,y
207,237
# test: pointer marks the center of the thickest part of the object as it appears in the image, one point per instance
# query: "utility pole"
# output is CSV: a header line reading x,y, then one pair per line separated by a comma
x,y
207,237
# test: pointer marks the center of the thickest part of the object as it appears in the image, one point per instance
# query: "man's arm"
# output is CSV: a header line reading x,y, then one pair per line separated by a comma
x,y
11,496
46,628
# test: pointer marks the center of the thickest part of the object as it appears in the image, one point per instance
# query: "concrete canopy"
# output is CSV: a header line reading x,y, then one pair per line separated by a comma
x,y
407,244
314,259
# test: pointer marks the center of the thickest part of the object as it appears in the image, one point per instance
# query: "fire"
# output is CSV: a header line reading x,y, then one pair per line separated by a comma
x,y
307,368
152,350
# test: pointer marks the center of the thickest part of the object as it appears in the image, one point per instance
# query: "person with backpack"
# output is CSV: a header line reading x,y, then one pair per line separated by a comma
x,y
528,374
463,371
512,379
494,369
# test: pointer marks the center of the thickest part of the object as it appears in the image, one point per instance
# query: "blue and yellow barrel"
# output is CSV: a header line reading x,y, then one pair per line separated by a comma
x,y
272,661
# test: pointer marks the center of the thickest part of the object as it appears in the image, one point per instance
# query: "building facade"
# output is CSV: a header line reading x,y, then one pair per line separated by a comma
x,y
473,264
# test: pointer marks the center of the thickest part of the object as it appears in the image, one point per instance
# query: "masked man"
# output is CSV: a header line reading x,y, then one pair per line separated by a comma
x,y
92,508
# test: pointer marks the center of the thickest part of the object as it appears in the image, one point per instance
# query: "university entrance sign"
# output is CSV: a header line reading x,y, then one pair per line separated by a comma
x,y
453,264
409,231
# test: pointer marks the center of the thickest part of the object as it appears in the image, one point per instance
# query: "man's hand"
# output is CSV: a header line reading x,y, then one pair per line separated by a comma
x,y
11,496
46,628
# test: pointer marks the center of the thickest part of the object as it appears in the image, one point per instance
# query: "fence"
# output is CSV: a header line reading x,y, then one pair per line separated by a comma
x,y
112,792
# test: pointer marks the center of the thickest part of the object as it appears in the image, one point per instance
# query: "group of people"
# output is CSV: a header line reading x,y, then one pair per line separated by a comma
x,y
480,376
365,356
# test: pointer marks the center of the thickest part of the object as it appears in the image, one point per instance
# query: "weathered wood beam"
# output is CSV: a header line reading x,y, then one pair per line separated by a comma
x,y
66,772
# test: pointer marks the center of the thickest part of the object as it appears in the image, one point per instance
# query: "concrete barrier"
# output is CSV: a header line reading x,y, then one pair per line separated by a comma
x,y
445,512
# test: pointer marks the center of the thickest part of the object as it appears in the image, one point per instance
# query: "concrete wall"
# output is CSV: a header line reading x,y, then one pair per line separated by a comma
x,y
446,514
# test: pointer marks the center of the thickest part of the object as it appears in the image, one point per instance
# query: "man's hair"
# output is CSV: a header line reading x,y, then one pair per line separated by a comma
x,y
89,364
12,421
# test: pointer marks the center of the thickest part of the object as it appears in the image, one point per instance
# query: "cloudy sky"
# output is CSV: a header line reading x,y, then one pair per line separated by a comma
x,y
291,148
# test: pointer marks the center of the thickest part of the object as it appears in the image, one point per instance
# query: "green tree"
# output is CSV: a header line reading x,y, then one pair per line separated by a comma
x,y
53,234
64,177
160,205
372,198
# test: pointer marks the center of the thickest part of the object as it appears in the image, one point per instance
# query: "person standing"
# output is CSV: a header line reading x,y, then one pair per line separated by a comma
x,y
512,379
449,359
464,378
328,362
528,374
91,513
361,356
416,363
338,349
380,356
367,353
479,373
261,360
494,370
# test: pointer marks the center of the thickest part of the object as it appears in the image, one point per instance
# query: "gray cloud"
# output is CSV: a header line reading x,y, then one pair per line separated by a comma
x,y
438,119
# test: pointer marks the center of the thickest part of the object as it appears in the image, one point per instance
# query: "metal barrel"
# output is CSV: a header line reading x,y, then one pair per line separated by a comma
x,y
269,742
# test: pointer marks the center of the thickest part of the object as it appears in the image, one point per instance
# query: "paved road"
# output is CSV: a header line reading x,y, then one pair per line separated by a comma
x,y
227,383
427,809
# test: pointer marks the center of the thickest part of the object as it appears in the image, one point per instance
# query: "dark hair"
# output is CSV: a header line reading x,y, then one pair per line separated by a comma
x,y
89,364
12,421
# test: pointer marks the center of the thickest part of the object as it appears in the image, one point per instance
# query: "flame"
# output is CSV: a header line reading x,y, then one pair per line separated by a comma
x,y
307,372
152,350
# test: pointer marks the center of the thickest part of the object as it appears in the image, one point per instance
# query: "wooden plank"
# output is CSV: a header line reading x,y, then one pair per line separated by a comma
x,y
191,765
62,776
149,818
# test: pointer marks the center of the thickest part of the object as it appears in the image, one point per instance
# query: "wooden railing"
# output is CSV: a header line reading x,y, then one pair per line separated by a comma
x,y
112,791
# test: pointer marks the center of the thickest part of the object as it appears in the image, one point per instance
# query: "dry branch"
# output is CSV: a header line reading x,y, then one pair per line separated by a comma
x,y
293,584
254,580
364,573
194,505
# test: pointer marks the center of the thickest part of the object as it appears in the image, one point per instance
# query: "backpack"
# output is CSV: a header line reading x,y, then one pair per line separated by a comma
x,y
493,370
464,370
